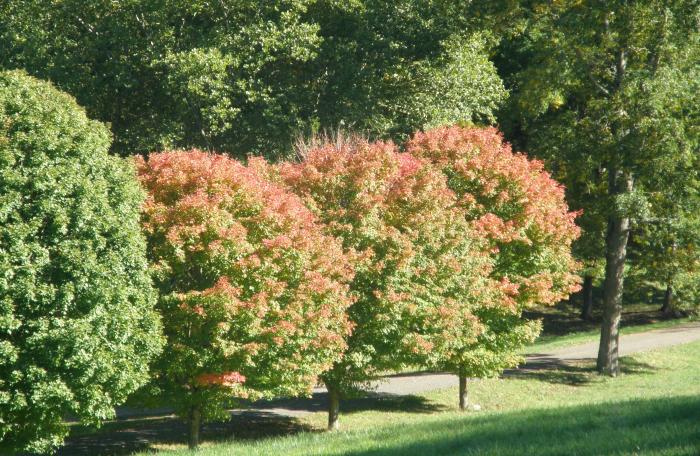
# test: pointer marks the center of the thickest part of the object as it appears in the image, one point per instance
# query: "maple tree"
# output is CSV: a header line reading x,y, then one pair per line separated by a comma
x,y
414,254
515,204
253,294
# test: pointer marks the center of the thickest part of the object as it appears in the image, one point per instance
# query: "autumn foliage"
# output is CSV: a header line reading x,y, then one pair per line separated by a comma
x,y
516,205
355,259
253,294
514,202
420,266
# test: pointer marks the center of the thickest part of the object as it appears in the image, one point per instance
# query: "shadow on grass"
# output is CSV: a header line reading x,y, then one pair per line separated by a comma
x,y
260,421
664,426
383,402
128,436
578,373
366,401
564,319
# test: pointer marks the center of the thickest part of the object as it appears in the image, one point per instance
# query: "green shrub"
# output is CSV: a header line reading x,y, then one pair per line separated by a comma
x,y
77,326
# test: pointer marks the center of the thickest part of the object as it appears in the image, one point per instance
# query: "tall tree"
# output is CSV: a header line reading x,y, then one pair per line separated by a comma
x,y
611,88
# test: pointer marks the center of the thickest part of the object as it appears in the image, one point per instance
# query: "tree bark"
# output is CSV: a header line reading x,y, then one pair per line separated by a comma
x,y
463,393
587,297
195,420
667,308
615,257
333,407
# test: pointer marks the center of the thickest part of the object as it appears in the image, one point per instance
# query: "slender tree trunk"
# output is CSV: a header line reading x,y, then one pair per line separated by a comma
x,y
463,393
333,407
195,421
615,256
667,308
587,296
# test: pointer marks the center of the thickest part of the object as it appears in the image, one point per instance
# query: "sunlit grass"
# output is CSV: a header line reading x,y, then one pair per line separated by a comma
x,y
652,408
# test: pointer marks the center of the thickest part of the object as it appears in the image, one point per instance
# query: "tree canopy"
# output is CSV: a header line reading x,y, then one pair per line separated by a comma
x,y
521,211
248,77
607,93
253,294
414,254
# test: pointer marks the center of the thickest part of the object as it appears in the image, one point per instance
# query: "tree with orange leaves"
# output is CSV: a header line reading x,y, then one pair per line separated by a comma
x,y
522,212
253,294
420,267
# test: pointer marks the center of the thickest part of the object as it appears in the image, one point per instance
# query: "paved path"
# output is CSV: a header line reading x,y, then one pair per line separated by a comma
x,y
422,382
416,383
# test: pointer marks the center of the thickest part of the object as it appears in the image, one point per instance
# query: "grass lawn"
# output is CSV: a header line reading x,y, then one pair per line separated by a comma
x,y
652,408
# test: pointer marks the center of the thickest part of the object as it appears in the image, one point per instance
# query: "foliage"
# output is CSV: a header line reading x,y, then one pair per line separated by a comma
x,y
253,295
170,73
574,113
666,255
521,210
391,68
611,90
248,76
414,253
514,202
77,327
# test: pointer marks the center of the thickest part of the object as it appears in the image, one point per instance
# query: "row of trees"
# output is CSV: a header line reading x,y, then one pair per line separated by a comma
x,y
265,278
356,259
605,93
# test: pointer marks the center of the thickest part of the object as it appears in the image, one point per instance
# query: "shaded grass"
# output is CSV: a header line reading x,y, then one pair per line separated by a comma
x,y
128,436
661,426
652,408
652,426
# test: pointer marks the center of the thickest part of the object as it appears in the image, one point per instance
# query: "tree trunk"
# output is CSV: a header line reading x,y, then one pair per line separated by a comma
x,y
463,394
587,296
195,420
615,256
333,407
667,308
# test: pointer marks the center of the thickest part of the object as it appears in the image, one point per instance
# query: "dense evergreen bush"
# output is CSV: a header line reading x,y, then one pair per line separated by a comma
x,y
77,326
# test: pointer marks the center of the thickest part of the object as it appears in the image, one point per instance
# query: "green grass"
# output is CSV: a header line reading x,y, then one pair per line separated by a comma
x,y
653,408
550,342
